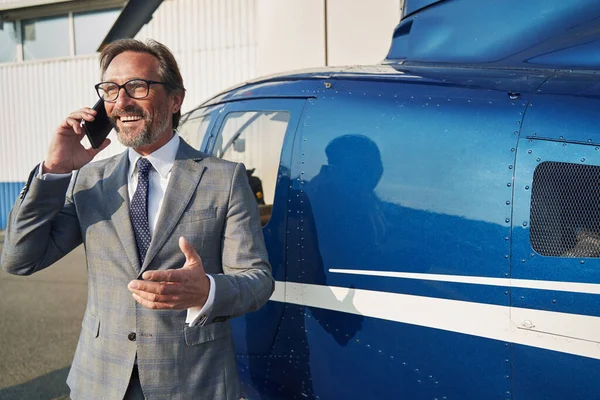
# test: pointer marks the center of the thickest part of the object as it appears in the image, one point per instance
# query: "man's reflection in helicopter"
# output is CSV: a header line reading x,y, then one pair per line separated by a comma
x,y
256,186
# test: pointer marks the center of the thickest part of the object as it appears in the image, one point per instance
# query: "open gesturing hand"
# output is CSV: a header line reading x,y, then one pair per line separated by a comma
x,y
175,289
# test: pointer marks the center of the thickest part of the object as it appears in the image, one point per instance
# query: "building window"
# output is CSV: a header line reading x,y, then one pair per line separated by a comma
x,y
8,42
90,28
45,37
57,36
255,138
565,210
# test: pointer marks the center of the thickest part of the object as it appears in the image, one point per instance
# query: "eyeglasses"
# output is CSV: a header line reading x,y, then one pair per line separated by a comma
x,y
135,88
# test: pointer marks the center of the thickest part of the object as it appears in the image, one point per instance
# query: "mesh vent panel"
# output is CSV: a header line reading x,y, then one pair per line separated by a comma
x,y
565,210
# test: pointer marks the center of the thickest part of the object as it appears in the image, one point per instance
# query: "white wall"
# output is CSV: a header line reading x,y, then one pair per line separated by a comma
x,y
360,32
291,35
34,98
214,42
13,3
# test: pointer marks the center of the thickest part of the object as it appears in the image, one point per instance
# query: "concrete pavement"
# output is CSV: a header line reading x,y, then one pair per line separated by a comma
x,y
40,320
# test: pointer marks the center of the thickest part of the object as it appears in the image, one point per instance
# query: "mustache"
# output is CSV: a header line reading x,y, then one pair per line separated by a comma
x,y
129,110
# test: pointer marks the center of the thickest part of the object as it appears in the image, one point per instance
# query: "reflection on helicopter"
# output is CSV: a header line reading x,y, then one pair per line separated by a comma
x,y
265,210
256,186
343,199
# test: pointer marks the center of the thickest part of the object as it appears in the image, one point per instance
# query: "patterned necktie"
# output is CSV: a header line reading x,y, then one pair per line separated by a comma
x,y
139,209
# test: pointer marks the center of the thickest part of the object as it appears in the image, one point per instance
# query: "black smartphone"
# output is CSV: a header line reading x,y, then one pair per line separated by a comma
x,y
98,129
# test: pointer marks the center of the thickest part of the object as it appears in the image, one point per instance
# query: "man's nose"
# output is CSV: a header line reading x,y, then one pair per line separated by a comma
x,y
123,99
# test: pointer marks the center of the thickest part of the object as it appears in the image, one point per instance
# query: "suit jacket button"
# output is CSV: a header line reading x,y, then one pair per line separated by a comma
x,y
131,336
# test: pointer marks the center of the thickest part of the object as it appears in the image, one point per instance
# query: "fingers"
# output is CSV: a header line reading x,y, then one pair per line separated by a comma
x,y
73,121
191,256
84,113
159,295
174,288
168,275
155,305
191,268
161,288
73,124
157,298
104,145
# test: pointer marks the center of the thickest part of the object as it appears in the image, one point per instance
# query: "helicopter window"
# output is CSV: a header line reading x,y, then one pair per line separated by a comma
x,y
565,210
193,130
255,138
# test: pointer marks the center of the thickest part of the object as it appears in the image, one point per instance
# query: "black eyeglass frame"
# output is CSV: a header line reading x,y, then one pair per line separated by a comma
x,y
123,86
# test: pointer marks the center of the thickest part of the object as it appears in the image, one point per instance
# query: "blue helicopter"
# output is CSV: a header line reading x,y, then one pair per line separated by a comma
x,y
433,221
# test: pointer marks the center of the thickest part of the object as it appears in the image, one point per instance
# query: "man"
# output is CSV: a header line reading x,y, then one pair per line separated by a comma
x,y
173,240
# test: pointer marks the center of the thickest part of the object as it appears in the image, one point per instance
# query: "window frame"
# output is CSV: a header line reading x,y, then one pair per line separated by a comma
x,y
545,282
276,240
541,191
69,36
295,108
216,115
17,17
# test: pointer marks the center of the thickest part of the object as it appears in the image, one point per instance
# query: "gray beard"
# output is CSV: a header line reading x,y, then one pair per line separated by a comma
x,y
146,137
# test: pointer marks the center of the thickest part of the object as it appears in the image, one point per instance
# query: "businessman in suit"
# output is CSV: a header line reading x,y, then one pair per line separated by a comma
x,y
173,240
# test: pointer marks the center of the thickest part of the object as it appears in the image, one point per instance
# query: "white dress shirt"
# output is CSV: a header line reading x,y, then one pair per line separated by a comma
x,y
162,162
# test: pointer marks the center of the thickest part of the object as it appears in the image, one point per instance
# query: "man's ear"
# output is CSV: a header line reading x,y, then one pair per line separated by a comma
x,y
177,101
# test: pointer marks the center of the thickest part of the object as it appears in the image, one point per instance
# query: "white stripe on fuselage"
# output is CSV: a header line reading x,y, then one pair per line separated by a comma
x,y
590,288
570,333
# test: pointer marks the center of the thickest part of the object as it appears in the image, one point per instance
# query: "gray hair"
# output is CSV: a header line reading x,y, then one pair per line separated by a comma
x,y
168,70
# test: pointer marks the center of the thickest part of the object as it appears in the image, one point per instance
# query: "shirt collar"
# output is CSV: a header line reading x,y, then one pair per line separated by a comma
x,y
162,159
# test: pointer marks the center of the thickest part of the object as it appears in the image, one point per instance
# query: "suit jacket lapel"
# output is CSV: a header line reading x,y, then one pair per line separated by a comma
x,y
185,177
117,183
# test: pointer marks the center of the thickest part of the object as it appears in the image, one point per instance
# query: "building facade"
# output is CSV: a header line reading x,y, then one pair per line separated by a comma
x,y
49,63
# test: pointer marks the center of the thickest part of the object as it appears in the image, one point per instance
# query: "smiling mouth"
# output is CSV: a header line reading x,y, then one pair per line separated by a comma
x,y
130,118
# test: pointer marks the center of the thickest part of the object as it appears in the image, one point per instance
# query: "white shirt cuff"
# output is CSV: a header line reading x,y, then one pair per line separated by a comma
x,y
197,315
50,176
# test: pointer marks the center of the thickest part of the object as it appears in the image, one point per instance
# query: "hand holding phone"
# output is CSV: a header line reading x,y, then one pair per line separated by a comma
x,y
65,154
98,129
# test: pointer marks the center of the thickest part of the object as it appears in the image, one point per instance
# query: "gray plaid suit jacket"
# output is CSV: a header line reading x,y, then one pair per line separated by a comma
x,y
209,202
